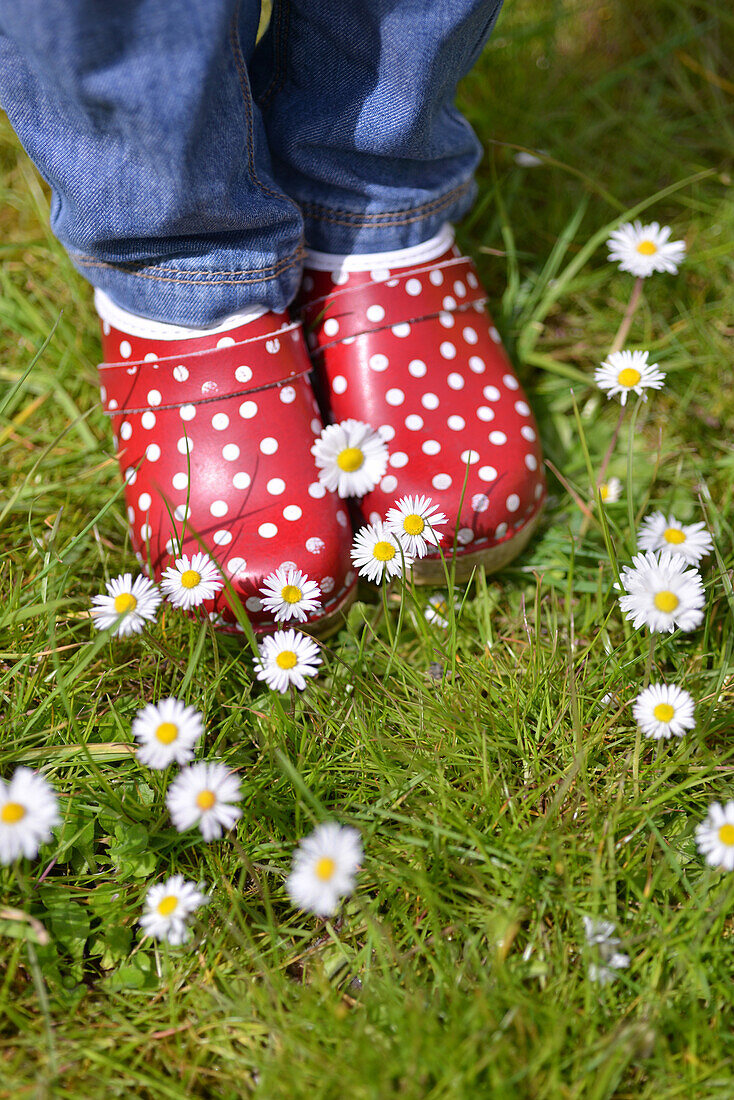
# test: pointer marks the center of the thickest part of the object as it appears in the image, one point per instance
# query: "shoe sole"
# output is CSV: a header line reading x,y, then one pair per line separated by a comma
x,y
433,570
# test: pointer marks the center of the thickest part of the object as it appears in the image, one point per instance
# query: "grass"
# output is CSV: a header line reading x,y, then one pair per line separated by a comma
x,y
499,798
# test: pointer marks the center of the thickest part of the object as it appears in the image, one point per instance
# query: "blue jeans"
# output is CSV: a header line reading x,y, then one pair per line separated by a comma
x,y
189,166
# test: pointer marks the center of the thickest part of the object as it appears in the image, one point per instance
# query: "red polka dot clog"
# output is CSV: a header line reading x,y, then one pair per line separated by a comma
x,y
214,435
414,353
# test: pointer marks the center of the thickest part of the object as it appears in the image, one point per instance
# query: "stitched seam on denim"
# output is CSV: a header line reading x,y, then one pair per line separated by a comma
x,y
82,259
194,282
280,52
463,308
208,400
388,218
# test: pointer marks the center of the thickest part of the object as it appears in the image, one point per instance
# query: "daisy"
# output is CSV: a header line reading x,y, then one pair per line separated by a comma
x,y
166,733
643,249
610,491
414,521
625,372
600,935
168,905
203,795
662,592
438,608
691,540
28,811
324,866
377,552
127,605
290,594
351,457
715,836
191,580
664,710
600,932
286,658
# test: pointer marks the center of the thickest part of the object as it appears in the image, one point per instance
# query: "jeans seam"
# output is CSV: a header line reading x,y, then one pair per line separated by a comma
x,y
386,218
279,51
277,270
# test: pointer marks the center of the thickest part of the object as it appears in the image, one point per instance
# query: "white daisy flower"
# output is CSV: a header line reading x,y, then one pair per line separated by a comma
x,y
191,580
29,809
127,606
600,932
166,733
715,836
610,491
662,593
438,609
324,867
286,658
606,972
659,532
625,372
377,552
168,905
289,594
351,457
414,521
600,935
664,710
203,795
643,249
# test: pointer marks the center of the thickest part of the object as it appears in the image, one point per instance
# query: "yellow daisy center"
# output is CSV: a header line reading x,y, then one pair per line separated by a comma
x,y
286,659
413,525
647,248
666,601
350,459
674,535
383,551
726,834
12,813
664,712
326,866
166,733
190,578
167,905
629,377
125,602
604,491
291,593
206,799
441,607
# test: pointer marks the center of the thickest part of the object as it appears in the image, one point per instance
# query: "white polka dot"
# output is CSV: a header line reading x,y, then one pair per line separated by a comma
x,y
487,473
209,388
459,289
218,507
106,328
375,517
145,532
348,340
315,545
180,373
447,349
531,462
243,374
131,475
417,368
331,326
441,481
339,383
187,412
269,445
248,409
126,429
501,531
241,480
430,401
398,459
498,438
472,280
225,342
447,320
316,426
272,346
480,502
379,274
144,502
449,303
154,397
469,456
342,518
230,451
464,536
327,585
539,490
181,512
431,447
379,362
413,422
316,490
184,445
413,287
130,513
401,331
477,365
513,502
455,381
495,335
222,538
523,408
395,397
236,565
528,433
491,393
436,277
386,432
375,313
456,423
275,486
389,484
152,452
180,481
112,404
172,547
125,349
220,421
252,603
470,335
292,512
485,413
511,382
287,394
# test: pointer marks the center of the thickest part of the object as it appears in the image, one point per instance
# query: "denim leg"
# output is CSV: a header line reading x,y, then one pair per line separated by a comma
x,y
358,102
139,115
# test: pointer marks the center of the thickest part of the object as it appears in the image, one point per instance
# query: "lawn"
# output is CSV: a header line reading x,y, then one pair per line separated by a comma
x,y
495,771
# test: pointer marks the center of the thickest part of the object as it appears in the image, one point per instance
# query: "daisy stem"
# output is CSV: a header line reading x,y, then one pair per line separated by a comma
x,y
649,660
623,330
386,611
